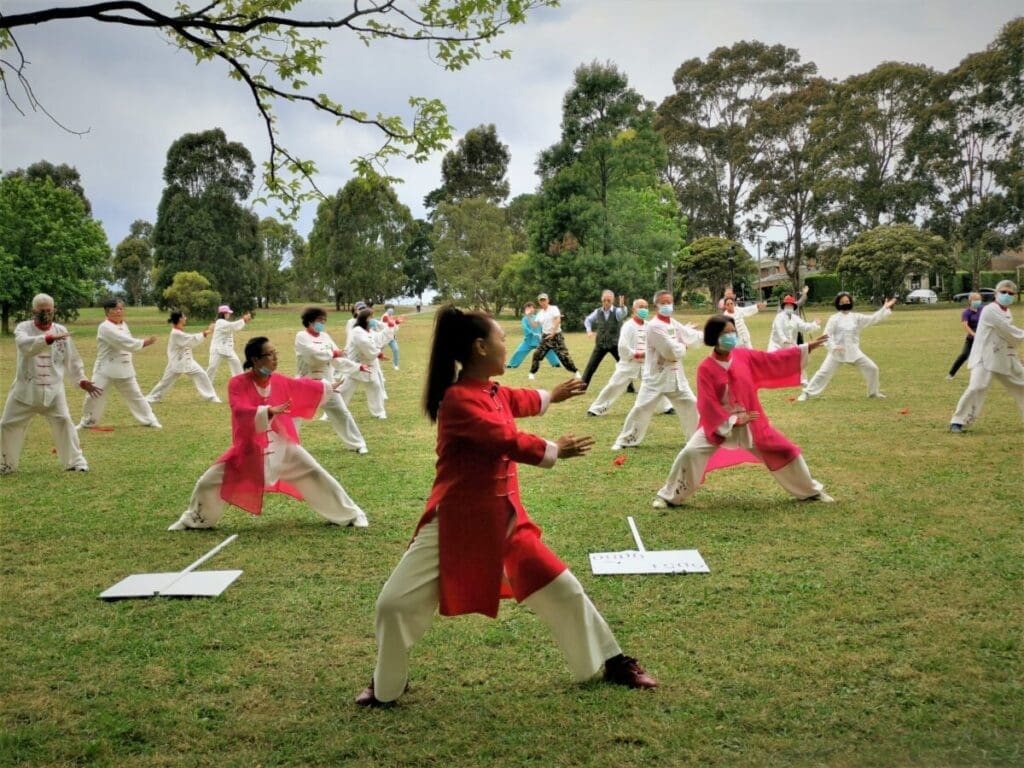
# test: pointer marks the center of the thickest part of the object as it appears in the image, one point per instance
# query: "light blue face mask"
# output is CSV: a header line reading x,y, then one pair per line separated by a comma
x,y
976,304
1004,299
665,310
319,327
642,313
728,341
263,371
373,323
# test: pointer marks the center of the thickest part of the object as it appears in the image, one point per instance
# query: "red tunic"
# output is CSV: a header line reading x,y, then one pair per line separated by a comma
x,y
243,483
477,492
749,371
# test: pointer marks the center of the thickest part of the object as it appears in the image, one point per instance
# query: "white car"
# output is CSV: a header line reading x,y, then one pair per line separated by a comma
x,y
922,296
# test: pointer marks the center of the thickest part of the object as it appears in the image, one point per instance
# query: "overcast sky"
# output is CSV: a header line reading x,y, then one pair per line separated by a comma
x,y
135,94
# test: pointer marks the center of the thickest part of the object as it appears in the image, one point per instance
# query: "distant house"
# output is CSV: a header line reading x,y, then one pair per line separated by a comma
x,y
771,273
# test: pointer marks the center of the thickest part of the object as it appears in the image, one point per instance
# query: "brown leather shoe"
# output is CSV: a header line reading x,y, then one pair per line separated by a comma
x,y
625,670
367,699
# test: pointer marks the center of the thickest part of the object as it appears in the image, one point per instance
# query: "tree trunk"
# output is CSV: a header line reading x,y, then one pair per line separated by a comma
x,y
5,318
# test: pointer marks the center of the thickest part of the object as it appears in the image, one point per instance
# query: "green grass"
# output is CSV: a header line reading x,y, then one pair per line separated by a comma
x,y
885,629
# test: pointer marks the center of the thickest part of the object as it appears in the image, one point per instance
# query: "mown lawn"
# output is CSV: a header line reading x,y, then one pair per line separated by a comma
x,y
885,629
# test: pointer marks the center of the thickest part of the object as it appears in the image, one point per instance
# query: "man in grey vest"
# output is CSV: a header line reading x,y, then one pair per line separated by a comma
x,y
604,323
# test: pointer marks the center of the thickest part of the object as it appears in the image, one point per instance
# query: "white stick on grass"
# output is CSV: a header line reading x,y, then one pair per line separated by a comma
x,y
636,534
200,561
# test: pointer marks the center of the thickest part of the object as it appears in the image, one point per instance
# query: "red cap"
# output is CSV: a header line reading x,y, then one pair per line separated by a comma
x,y
788,300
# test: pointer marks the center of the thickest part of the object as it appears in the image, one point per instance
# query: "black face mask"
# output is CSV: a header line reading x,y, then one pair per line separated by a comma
x,y
845,307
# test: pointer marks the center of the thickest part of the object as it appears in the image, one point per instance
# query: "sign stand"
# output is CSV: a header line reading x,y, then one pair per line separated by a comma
x,y
641,561
186,583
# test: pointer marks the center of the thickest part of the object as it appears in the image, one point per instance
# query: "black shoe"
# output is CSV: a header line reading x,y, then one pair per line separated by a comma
x,y
956,428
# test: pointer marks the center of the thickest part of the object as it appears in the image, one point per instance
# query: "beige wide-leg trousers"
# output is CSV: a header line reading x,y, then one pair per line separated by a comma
x,y
406,605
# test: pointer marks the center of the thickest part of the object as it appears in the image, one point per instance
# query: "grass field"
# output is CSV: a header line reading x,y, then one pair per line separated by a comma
x,y
885,629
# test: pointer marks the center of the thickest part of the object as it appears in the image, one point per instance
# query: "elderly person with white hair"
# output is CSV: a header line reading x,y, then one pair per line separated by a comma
x,y
45,353
663,375
994,355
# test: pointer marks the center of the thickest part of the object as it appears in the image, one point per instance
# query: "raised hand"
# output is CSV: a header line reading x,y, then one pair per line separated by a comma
x,y
567,389
570,446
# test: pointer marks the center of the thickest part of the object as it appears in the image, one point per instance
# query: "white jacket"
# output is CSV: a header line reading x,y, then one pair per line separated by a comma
x,y
632,339
786,327
40,369
315,359
666,346
738,319
996,342
179,351
114,347
223,341
843,330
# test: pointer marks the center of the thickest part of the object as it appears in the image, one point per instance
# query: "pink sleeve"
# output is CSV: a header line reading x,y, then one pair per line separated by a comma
x,y
775,370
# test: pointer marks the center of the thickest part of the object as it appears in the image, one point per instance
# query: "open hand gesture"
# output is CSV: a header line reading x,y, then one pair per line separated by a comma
x,y
570,446
567,389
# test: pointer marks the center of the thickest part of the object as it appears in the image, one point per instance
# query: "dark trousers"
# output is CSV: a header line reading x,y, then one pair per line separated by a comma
x,y
964,354
556,343
595,360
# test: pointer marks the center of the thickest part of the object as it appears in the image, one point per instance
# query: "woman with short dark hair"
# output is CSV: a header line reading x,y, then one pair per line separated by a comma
x,y
181,363
733,427
265,455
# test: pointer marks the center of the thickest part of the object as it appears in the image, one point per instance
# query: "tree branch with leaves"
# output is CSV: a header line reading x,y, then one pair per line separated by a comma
x,y
274,51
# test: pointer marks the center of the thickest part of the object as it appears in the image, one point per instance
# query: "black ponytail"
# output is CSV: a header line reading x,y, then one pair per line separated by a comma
x,y
454,334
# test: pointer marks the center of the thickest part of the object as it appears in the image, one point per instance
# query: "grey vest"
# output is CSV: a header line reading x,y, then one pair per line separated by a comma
x,y
607,331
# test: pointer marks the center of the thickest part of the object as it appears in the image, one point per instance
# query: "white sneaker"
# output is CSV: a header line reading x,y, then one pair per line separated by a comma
x,y
823,497
616,447
949,377
396,367
323,417
360,521
179,525
532,376
155,425
659,503
878,395
362,450
802,398
578,376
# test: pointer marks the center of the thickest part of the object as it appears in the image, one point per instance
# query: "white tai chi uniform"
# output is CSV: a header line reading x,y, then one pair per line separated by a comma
x,y
994,356
284,461
316,358
785,328
222,346
663,375
181,363
38,388
364,348
409,600
738,317
632,351
114,368
843,344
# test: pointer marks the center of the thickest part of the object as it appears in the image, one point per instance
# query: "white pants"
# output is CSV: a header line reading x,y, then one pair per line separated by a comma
x,y
405,610
289,462
344,425
374,394
830,365
688,469
139,407
613,390
647,402
15,422
234,364
973,398
199,378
